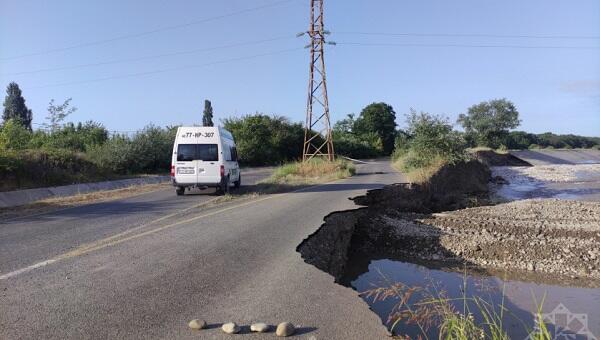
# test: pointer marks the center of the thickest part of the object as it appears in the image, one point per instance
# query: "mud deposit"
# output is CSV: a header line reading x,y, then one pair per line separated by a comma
x,y
443,227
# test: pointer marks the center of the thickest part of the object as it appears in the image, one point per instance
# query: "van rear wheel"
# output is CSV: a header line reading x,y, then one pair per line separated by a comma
x,y
238,183
180,191
223,187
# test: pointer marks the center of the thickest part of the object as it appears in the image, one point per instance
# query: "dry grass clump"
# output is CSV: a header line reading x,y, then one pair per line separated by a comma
x,y
429,308
311,172
501,150
419,175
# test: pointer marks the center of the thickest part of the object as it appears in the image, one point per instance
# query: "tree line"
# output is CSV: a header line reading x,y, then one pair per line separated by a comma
x,y
61,153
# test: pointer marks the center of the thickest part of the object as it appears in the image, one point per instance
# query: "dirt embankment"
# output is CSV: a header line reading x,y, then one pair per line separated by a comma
x,y
541,240
493,158
330,247
452,187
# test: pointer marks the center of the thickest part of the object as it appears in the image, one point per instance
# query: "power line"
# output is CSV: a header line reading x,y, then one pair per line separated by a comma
x,y
132,75
141,34
471,46
118,61
469,35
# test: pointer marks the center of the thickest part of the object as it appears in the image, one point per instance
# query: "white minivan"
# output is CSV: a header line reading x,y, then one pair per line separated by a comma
x,y
204,157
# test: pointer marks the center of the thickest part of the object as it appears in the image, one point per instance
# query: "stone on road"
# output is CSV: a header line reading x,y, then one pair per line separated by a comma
x,y
230,328
197,324
285,329
259,327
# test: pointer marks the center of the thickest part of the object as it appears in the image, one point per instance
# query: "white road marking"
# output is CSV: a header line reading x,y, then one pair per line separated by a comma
x,y
114,240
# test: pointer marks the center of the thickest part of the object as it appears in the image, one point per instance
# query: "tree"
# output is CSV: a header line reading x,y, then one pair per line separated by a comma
x,y
207,117
488,123
58,113
263,139
14,136
345,125
378,118
15,108
429,139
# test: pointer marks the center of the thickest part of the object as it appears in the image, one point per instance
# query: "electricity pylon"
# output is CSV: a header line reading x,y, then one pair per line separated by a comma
x,y
318,140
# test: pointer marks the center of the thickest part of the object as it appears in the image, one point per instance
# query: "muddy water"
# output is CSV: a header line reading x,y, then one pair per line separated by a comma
x,y
571,308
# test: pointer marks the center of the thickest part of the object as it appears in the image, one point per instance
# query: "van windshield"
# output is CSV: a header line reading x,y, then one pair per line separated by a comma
x,y
200,152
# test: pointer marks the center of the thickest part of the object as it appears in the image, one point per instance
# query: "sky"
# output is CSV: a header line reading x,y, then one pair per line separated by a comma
x,y
127,64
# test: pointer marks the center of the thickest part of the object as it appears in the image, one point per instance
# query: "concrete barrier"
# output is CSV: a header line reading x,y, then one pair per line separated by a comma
x,y
21,197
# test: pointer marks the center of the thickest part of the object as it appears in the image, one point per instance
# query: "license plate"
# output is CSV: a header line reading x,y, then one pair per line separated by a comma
x,y
185,171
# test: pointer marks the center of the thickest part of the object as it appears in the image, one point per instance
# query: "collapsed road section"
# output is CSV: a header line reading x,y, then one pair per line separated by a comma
x,y
448,222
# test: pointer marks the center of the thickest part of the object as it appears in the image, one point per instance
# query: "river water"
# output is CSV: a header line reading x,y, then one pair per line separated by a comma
x,y
572,311
564,181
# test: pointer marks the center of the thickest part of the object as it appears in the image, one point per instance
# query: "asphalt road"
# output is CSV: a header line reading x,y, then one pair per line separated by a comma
x,y
136,268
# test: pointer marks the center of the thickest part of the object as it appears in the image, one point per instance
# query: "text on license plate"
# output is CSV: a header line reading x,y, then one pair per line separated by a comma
x,y
185,171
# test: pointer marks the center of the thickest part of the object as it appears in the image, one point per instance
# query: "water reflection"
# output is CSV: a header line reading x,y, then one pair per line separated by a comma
x,y
572,306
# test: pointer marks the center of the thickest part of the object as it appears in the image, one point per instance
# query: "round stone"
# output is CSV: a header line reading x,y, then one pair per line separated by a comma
x,y
285,329
230,328
259,327
197,324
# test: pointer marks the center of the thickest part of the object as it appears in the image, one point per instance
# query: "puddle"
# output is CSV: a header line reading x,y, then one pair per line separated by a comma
x,y
571,308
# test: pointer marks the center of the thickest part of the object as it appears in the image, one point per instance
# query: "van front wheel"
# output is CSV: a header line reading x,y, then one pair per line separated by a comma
x,y
180,191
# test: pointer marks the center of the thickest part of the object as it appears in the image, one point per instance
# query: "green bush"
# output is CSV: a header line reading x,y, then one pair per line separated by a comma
x,y
14,136
114,156
77,137
354,147
148,151
34,168
262,139
431,138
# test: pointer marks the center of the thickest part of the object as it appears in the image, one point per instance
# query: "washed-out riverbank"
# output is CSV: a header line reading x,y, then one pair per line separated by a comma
x,y
449,226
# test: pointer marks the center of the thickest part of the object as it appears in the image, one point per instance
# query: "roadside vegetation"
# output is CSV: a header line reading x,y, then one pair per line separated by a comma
x,y
313,171
464,317
428,144
60,152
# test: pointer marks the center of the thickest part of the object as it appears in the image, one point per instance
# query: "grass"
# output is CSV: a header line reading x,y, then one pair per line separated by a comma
x,y
419,174
290,176
453,318
311,172
502,150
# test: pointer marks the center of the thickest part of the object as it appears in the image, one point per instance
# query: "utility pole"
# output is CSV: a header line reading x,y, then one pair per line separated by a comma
x,y
318,140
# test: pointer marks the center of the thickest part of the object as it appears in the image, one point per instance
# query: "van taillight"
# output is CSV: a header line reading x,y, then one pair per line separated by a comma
x,y
222,171
172,170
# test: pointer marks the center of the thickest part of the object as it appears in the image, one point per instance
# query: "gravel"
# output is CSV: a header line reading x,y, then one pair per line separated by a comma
x,y
550,236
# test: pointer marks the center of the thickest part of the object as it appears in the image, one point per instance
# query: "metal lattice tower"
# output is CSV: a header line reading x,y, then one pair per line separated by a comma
x,y
318,140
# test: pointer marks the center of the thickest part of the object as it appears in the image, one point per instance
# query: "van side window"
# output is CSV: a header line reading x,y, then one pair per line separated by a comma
x,y
227,153
234,156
